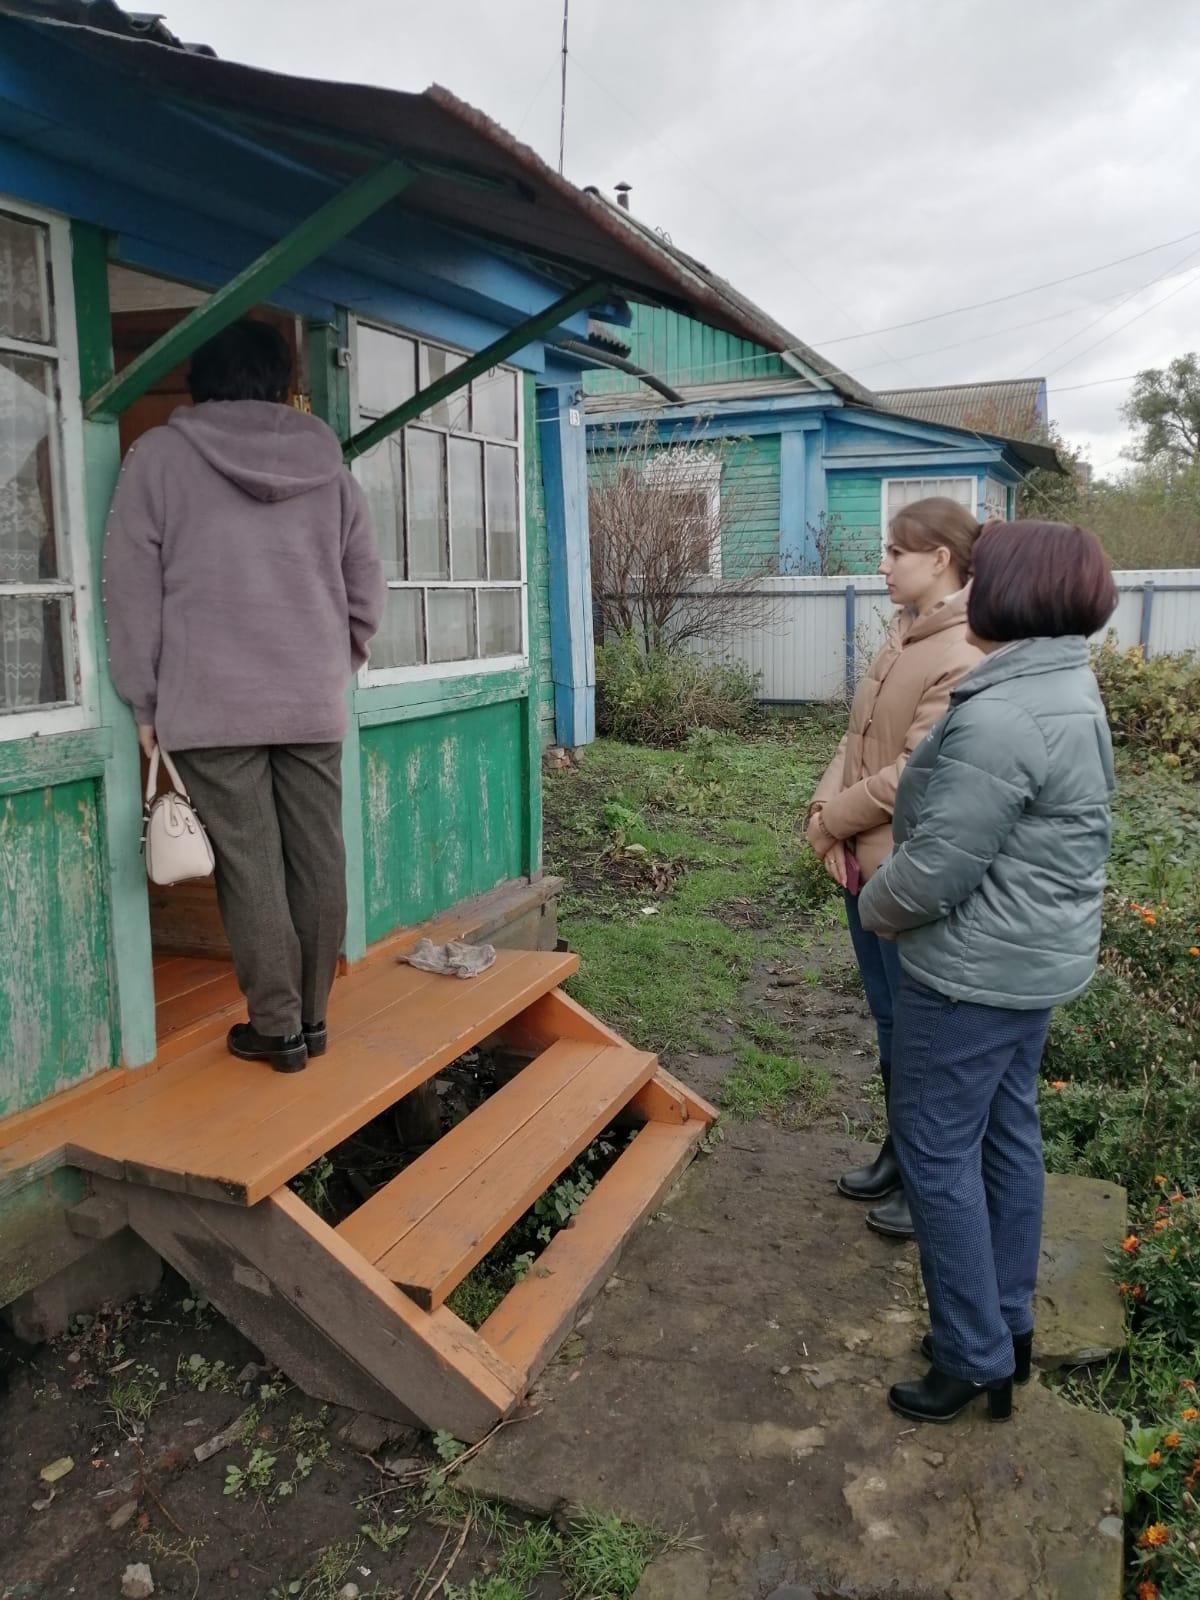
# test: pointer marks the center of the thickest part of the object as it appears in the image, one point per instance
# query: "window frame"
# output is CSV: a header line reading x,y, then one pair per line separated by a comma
x,y
934,486
371,677
689,470
1002,493
74,584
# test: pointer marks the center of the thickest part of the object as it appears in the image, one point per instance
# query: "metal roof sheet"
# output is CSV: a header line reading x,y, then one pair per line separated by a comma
x,y
1011,407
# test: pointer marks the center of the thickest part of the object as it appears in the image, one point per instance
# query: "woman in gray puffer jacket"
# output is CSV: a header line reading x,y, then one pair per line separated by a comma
x,y
994,894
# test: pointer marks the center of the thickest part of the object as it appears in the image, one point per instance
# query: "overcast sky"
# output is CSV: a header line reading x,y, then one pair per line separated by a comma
x,y
849,166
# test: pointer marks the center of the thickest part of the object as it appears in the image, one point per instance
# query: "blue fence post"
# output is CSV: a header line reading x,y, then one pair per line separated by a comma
x,y
850,597
1147,612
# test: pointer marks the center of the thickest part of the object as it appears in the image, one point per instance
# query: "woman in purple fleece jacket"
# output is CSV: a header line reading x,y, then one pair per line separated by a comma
x,y
242,584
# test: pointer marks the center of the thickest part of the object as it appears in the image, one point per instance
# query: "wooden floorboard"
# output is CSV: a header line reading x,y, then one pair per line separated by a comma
x,y
212,1125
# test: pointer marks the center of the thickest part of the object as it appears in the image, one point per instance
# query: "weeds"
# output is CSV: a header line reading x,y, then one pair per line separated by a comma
x,y
133,1397
764,1083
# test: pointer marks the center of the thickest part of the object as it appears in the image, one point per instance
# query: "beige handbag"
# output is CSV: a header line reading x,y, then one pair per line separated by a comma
x,y
173,836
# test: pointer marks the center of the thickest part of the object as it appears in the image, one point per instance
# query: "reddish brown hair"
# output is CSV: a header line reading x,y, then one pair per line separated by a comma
x,y
1038,580
936,524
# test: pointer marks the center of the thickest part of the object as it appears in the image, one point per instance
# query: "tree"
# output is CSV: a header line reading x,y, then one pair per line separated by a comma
x,y
669,526
1049,496
1165,408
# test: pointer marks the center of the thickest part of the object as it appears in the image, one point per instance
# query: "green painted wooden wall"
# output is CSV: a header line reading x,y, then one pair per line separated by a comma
x,y
682,351
853,504
442,803
55,1021
750,495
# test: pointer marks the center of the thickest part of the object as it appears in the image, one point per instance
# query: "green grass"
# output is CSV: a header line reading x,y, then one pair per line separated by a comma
x,y
765,1083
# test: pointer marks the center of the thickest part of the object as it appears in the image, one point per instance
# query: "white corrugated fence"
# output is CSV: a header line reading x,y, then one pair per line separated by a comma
x,y
810,637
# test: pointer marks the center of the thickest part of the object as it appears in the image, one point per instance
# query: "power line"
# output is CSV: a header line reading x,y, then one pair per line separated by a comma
x,y
1016,294
562,116
1145,312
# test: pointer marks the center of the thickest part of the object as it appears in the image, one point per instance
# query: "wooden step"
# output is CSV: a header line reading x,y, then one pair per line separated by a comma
x,y
427,1228
534,1317
210,1125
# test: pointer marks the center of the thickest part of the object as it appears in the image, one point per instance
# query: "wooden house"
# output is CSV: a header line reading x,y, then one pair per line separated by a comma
x,y
437,283
817,462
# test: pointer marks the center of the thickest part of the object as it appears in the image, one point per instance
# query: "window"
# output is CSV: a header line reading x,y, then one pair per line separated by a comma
x,y
901,492
41,682
695,477
995,500
446,501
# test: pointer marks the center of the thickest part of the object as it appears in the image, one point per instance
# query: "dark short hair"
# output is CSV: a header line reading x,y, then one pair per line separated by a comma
x,y
1038,580
246,361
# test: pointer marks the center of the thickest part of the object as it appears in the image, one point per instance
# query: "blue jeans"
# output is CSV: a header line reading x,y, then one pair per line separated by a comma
x,y
879,963
964,1119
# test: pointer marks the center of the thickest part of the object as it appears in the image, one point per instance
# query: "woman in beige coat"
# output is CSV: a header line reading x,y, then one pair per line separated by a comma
x,y
927,564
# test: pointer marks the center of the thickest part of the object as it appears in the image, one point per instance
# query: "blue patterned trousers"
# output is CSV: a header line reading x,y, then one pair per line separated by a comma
x,y
964,1118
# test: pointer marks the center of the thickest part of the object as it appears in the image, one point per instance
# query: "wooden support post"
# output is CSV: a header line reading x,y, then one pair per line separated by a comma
x,y
527,332
564,479
335,219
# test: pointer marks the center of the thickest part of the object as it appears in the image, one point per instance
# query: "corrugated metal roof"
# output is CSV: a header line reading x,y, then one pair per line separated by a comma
x,y
1013,408
342,130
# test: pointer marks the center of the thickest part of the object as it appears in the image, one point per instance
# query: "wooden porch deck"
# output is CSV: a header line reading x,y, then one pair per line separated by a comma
x,y
196,1152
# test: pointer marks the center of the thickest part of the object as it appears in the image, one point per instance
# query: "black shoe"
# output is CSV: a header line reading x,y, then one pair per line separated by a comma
x,y
316,1037
893,1217
875,1182
1022,1354
285,1052
938,1398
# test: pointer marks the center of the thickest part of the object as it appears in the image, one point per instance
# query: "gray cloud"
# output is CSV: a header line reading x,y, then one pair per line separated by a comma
x,y
848,167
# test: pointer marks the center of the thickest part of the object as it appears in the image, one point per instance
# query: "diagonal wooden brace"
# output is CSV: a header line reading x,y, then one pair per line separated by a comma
x,y
335,219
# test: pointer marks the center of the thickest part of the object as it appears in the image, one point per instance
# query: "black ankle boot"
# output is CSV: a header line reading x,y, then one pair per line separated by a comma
x,y
938,1398
316,1037
1022,1354
285,1052
893,1217
875,1182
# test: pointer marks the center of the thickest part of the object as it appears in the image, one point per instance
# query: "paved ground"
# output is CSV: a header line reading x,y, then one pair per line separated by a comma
x,y
730,1383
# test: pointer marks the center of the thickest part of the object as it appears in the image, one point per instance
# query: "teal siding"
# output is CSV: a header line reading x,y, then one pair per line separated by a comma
x,y
750,496
54,1005
853,522
682,351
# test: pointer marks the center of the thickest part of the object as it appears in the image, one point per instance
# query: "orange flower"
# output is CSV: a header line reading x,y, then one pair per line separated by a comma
x,y
1172,1440
1160,1181
1187,1383
1138,1292
1058,1083
1150,919
1176,1199
1155,1536
1154,1459
1189,1413
1195,950
1147,1590
1164,1222
1131,1245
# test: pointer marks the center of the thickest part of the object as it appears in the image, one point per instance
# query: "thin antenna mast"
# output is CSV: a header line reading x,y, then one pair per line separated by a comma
x,y
562,119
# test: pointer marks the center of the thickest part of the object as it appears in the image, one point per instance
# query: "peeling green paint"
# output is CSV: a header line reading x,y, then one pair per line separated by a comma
x,y
54,1004
442,800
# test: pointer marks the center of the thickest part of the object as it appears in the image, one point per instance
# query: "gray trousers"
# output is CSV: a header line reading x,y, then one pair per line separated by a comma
x,y
274,815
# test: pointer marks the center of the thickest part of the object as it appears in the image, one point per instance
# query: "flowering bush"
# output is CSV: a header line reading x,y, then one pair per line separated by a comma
x,y
1162,1482
1153,706
1161,1272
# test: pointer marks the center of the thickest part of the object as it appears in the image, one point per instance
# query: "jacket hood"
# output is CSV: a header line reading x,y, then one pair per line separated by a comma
x,y
272,452
948,613
1025,658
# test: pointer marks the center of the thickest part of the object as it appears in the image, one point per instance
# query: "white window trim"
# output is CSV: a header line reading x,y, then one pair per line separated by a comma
x,y
70,501
1002,490
688,469
376,677
936,485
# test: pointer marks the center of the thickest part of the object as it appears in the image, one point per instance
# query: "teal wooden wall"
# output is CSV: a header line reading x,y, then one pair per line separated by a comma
x,y
750,488
55,1023
682,351
442,811
853,504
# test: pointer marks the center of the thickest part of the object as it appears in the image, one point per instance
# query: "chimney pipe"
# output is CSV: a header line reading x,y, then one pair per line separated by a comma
x,y
623,195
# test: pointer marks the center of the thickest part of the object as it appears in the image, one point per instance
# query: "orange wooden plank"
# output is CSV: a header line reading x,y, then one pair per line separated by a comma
x,y
214,1125
439,1249
180,974
384,1219
193,1005
535,1316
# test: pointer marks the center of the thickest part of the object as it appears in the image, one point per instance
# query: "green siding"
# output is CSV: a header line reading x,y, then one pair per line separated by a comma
x,y
682,351
443,810
853,522
750,506
54,1005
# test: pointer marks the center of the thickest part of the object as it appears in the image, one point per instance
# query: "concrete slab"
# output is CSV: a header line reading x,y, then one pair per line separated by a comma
x,y
731,1383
